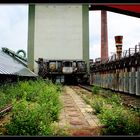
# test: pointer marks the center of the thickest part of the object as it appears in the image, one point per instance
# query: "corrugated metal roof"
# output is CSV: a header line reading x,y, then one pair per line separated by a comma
x,y
9,65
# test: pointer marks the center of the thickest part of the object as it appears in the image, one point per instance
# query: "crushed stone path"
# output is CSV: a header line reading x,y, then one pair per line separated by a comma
x,y
76,116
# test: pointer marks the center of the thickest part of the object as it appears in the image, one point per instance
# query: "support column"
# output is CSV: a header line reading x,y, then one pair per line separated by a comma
x,y
31,25
85,34
104,35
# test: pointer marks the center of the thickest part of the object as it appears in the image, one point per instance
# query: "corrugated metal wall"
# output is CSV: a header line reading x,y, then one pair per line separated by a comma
x,y
118,80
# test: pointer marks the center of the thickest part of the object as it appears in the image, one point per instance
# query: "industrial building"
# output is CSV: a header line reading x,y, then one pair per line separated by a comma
x,y
58,31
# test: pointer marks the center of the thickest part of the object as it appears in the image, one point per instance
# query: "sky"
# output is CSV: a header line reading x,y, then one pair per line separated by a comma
x,y
13,26
118,24
14,29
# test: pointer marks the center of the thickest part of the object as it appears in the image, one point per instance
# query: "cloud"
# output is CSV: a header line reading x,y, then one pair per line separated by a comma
x,y
14,26
94,33
94,23
127,26
118,24
95,51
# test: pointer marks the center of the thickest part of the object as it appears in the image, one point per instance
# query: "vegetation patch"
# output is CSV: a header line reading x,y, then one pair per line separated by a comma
x,y
96,89
114,99
36,106
118,119
97,104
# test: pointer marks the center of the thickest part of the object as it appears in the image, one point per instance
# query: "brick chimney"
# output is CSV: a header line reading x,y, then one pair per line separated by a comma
x,y
104,35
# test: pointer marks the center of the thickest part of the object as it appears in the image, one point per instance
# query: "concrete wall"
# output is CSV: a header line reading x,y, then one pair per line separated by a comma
x,y
58,32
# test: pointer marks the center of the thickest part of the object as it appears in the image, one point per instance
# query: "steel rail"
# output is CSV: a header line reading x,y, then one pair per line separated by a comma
x,y
87,87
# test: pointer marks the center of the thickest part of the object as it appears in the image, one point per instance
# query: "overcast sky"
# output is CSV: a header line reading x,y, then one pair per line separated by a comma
x,y
14,26
118,24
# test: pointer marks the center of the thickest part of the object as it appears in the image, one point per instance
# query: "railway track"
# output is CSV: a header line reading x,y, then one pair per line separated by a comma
x,y
5,110
128,100
75,122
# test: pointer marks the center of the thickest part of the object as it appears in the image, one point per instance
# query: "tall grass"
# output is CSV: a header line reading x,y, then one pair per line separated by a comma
x,y
36,106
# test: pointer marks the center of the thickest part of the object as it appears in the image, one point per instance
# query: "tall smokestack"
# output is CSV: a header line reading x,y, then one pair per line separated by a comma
x,y
104,36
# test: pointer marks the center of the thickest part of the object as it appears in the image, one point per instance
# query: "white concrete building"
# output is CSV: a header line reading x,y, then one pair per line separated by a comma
x,y
57,31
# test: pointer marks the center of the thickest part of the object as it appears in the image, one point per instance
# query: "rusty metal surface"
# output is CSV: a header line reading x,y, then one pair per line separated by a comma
x,y
10,66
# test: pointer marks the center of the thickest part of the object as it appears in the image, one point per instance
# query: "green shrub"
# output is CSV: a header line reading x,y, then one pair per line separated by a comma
x,y
119,121
95,89
29,119
17,90
114,99
50,95
5,99
59,87
138,112
33,89
97,104
39,106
